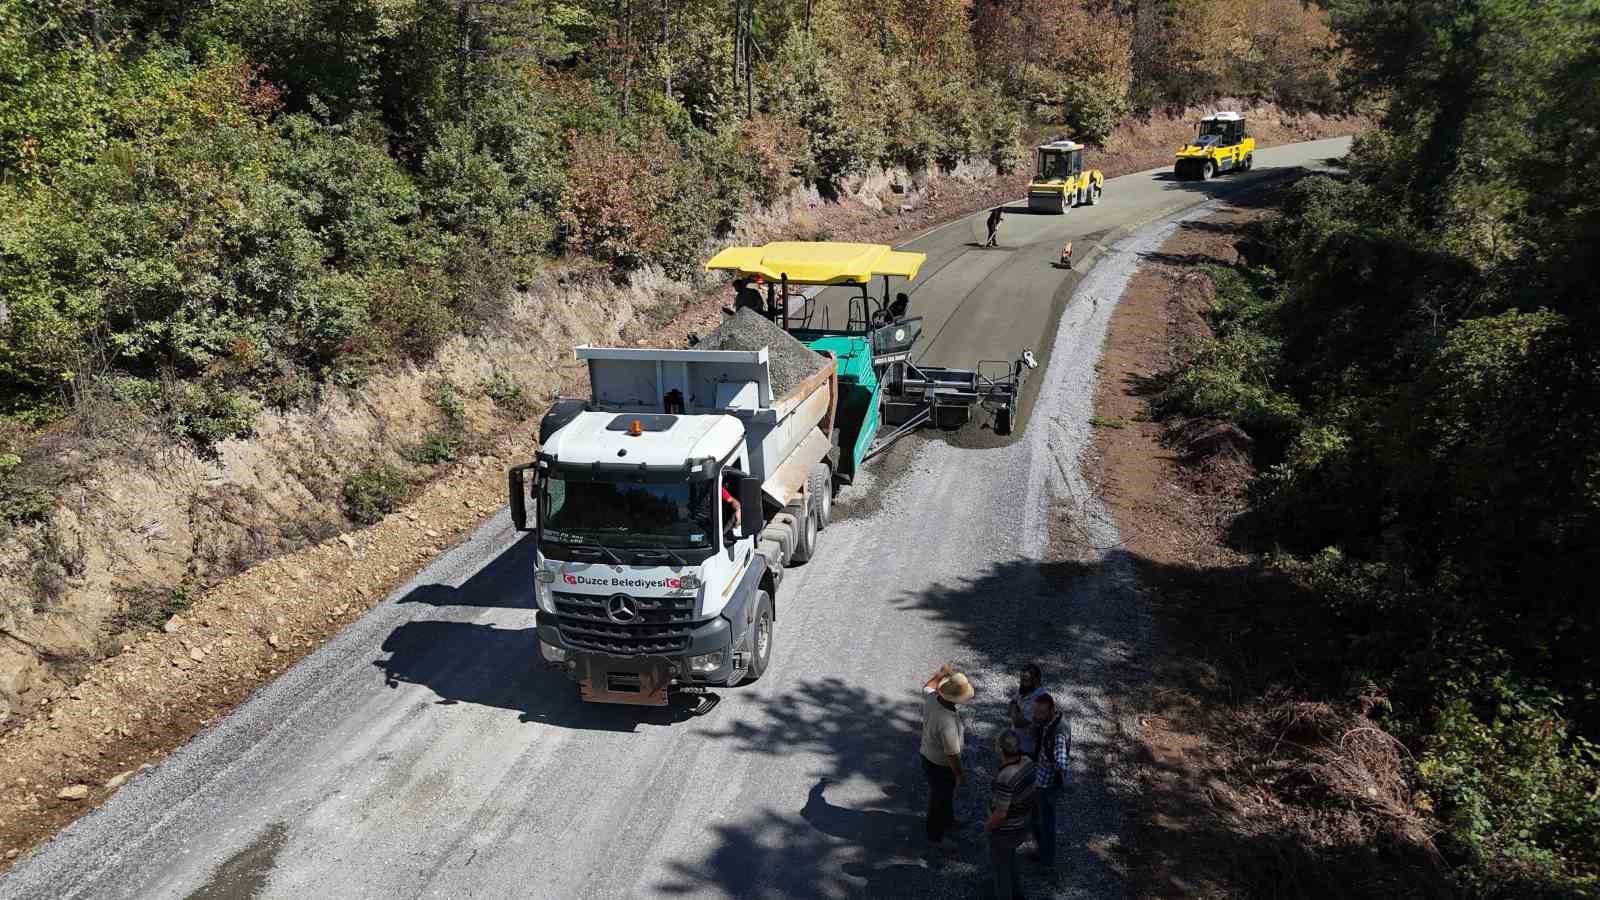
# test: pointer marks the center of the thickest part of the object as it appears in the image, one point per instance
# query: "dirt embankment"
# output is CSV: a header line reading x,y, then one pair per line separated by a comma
x,y
96,678
1246,787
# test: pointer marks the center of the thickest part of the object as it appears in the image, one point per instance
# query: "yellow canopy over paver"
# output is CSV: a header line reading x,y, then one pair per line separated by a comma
x,y
819,262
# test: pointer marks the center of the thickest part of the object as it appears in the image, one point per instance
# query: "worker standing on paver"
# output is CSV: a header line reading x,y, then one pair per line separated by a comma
x,y
1010,810
747,297
1054,733
994,227
942,737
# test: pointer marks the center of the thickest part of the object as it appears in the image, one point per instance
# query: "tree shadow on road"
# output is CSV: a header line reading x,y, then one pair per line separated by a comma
x,y
468,662
859,830
491,665
506,582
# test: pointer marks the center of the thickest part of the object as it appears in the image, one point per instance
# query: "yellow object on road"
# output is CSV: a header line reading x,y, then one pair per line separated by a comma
x,y
819,262
1222,144
1061,182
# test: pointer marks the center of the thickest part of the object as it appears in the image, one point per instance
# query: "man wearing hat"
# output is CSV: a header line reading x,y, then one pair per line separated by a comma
x,y
942,736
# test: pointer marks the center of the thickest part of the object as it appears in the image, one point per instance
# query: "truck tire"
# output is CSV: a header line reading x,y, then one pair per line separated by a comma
x,y
1095,190
805,536
820,486
1208,171
1249,162
1002,420
1066,203
760,638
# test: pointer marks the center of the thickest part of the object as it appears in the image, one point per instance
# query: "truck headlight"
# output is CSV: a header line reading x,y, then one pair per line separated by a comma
x,y
552,653
542,594
706,662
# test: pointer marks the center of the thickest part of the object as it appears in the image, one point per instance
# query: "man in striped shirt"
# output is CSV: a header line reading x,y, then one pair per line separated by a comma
x,y
1054,732
1010,811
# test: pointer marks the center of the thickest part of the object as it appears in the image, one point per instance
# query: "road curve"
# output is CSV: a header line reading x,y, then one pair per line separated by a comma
x,y
424,752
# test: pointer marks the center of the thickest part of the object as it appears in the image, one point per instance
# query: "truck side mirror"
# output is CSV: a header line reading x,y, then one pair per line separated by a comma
x,y
517,496
751,517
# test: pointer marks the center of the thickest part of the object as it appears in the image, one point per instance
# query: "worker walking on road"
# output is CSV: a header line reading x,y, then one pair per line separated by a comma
x,y
1066,254
942,737
1011,803
1054,734
994,227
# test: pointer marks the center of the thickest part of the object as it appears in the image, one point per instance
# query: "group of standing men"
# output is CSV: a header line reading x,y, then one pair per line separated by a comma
x,y
1033,753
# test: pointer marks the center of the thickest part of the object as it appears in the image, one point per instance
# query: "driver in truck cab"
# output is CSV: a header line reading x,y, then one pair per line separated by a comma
x,y
730,507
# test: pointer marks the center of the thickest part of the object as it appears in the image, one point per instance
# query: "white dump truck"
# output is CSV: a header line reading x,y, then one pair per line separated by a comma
x,y
668,503
666,507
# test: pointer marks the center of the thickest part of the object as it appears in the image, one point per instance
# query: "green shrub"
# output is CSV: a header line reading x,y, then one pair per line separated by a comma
x,y
21,502
373,493
1243,297
447,400
207,413
436,448
408,312
149,606
1230,379
507,396
805,90
1516,788
1093,104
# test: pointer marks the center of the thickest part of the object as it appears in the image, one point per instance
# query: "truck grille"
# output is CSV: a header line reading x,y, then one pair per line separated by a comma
x,y
663,624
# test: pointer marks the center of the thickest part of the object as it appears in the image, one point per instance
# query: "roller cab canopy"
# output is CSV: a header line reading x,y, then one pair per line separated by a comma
x,y
819,262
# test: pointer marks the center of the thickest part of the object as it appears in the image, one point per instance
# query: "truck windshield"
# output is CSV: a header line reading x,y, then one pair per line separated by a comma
x,y
624,514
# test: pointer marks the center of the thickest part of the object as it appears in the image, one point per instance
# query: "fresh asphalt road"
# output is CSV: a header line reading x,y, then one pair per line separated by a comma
x,y
425,752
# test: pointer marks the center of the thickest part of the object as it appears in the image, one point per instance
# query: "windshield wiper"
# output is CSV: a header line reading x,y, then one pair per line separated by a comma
x,y
596,548
662,550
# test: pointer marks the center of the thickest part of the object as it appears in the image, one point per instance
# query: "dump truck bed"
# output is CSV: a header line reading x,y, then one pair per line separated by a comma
x,y
786,435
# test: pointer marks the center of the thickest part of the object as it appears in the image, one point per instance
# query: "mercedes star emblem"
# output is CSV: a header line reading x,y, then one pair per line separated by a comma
x,y
622,609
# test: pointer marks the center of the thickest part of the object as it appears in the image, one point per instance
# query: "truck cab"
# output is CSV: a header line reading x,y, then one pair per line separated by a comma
x,y
665,508
640,556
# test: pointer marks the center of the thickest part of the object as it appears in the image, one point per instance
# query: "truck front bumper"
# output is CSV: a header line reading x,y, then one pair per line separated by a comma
x,y
641,680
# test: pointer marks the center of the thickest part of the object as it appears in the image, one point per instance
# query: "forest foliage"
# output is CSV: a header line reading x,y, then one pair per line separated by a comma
x,y
1417,355
208,207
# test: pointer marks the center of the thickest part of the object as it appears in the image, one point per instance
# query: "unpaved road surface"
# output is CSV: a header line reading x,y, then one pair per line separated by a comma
x,y
426,753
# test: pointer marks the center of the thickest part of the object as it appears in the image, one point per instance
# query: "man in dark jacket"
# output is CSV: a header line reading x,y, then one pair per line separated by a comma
x,y
1054,731
994,228
747,297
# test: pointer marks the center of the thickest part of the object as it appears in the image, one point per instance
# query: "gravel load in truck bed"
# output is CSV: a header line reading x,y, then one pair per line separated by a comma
x,y
789,361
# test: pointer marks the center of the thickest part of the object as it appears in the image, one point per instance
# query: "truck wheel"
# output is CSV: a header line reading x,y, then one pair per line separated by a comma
x,y
1095,191
820,486
1249,162
1066,203
805,545
760,638
1208,171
